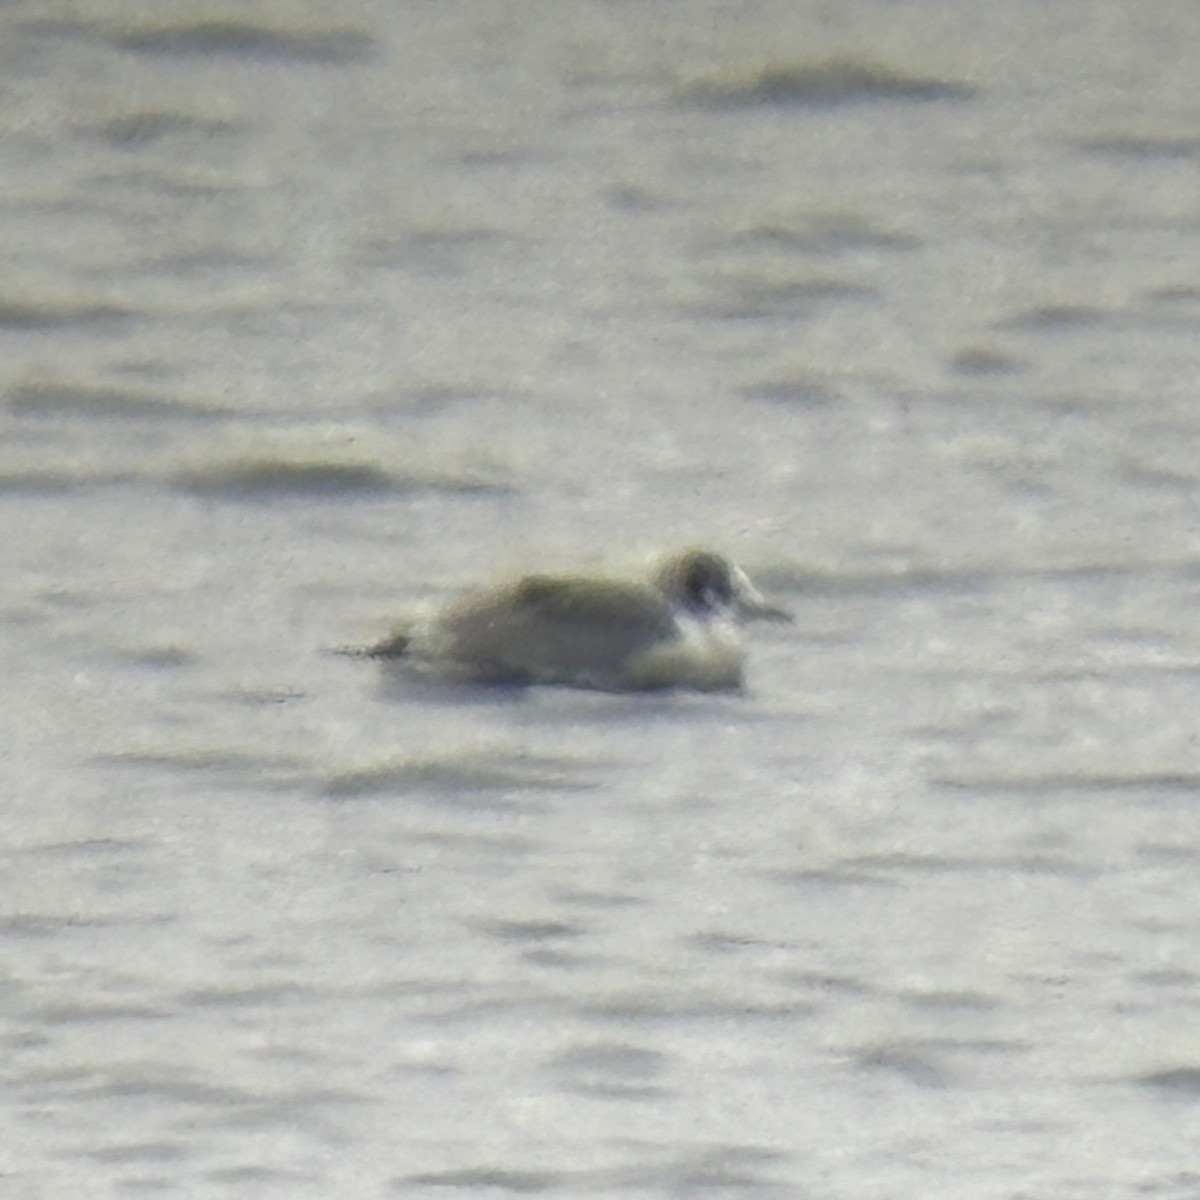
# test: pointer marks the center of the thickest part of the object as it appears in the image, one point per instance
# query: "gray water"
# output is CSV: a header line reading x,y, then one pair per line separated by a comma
x,y
311,313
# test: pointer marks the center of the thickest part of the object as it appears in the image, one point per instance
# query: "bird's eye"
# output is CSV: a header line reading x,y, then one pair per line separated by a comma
x,y
707,588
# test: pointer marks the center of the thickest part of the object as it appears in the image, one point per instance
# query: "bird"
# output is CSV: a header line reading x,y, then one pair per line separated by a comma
x,y
675,629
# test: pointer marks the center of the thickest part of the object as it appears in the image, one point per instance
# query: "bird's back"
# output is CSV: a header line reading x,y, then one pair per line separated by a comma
x,y
551,628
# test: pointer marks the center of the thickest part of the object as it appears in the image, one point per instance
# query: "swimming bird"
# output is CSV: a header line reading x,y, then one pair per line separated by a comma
x,y
677,629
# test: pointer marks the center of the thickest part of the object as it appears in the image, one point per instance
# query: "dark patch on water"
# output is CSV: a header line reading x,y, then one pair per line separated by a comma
x,y
1151,781
1139,146
133,1084
253,1173
466,774
30,314
45,483
926,1061
530,931
836,875
703,1171
429,399
490,1178
612,1071
983,360
909,1062
1174,977
754,298
822,83
826,233
60,399
1171,853
38,925
586,899
722,942
267,478
86,1014
135,1152
242,39
206,262
1056,318
136,129
87,847
829,986
249,770
263,696
796,392
160,656
938,1001
1179,1081
706,1171
1175,295
612,1058
1140,473
438,251
688,1006
239,997
1034,864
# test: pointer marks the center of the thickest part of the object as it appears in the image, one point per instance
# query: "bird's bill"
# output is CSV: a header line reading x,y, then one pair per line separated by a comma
x,y
752,605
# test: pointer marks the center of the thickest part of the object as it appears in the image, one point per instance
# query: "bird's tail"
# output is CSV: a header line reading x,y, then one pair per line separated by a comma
x,y
395,645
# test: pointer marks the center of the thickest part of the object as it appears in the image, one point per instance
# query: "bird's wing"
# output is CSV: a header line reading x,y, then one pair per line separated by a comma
x,y
599,607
